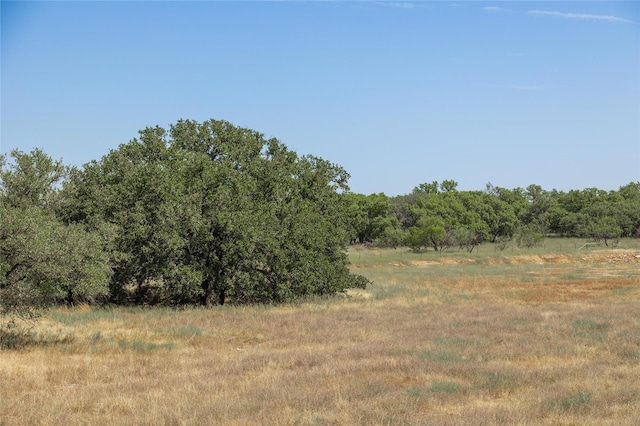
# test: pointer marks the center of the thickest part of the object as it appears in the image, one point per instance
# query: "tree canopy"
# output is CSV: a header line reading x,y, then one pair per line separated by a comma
x,y
214,213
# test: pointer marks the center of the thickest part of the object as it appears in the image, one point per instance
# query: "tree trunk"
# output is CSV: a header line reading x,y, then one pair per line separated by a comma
x,y
207,287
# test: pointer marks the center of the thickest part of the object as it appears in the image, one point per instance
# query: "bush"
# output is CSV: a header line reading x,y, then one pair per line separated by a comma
x,y
527,238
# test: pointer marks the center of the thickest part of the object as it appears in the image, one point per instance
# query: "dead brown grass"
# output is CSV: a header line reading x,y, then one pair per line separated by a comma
x,y
448,343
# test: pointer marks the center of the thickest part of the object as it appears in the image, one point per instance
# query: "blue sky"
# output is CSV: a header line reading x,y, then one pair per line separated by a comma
x,y
398,93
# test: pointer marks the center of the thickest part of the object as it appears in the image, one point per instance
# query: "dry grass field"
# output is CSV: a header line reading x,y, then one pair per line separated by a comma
x,y
498,338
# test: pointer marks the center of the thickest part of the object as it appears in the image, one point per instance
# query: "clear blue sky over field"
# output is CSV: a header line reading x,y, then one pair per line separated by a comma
x,y
398,93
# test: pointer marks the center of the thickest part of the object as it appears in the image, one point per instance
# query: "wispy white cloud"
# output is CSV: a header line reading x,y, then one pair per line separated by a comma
x,y
493,9
522,87
582,16
400,5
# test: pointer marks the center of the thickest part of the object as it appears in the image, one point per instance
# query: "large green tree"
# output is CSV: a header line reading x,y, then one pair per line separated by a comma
x,y
214,213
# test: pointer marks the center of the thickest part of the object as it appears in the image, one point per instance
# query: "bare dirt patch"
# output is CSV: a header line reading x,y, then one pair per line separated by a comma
x,y
617,256
424,263
590,289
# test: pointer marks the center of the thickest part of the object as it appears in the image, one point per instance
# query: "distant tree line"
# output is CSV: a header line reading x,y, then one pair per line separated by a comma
x,y
211,213
437,216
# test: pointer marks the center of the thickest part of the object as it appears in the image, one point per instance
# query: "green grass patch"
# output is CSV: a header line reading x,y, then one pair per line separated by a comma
x,y
415,392
458,342
574,403
589,325
574,276
187,331
494,381
441,356
625,290
143,346
72,317
445,387
596,331
518,323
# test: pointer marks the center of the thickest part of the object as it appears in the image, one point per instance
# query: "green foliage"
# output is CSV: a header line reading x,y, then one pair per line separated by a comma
x,y
449,186
445,219
41,259
498,216
30,180
597,214
427,188
470,237
213,213
438,215
527,237
368,216
393,234
603,229
430,232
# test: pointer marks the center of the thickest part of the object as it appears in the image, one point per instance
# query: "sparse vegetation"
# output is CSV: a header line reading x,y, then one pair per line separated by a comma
x,y
514,337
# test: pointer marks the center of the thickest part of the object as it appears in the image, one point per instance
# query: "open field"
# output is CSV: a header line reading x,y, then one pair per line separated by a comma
x,y
512,337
